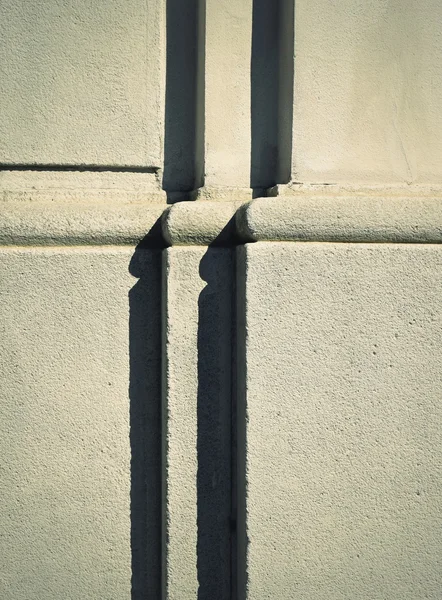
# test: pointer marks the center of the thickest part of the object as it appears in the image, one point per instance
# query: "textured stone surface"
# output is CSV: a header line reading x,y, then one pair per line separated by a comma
x,y
339,421
227,92
338,360
82,82
201,223
82,223
367,102
197,288
79,421
385,216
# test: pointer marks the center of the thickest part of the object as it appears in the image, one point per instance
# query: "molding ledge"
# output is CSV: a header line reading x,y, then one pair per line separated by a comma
x,y
200,223
302,218
72,206
112,223
327,218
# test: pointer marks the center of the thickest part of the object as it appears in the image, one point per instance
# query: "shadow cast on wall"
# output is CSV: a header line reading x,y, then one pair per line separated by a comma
x,y
271,96
215,509
145,420
271,127
215,541
184,111
272,66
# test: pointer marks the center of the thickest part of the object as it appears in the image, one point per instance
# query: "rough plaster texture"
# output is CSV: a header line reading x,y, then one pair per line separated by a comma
x,y
227,99
94,223
367,102
80,418
82,82
197,288
70,184
339,344
339,421
357,217
200,224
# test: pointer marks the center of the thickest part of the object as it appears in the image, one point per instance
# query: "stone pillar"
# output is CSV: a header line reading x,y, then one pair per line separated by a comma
x,y
227,94
197,386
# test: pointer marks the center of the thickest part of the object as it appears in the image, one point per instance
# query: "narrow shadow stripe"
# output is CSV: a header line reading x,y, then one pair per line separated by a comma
x,y
184,105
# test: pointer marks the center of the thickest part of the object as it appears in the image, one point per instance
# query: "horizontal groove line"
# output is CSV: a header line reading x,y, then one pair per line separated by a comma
x,y
80,168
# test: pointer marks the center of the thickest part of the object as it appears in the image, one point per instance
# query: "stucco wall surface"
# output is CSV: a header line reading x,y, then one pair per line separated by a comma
x,y
79,424
339,421
158,440
196,424
367,102
82,82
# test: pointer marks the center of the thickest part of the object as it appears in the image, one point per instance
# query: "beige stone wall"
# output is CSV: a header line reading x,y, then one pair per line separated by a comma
x,y
341,422
82,83
220,229
367,101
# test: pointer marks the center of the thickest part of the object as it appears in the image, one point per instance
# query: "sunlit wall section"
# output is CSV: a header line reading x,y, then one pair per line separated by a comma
x,y
82,82
367,102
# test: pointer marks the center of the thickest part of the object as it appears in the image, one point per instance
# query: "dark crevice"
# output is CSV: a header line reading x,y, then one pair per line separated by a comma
x,y
80,168
184,110
241,574
233,442
271,93
214,437
286,35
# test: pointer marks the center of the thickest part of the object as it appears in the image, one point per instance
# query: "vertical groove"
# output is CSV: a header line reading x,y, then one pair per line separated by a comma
x,y
184,109
286,37
264,94
200,97
145,418
271,93
233,438
214,480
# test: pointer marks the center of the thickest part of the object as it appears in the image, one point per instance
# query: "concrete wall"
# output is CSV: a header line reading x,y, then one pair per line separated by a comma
x,y
367,106
82,83
341,420
204,395
80,426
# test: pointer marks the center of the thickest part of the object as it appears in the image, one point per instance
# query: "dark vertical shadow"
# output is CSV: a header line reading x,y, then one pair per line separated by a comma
x,y
271,93
214,477
241,426
264,90
286,35
184,143
145,423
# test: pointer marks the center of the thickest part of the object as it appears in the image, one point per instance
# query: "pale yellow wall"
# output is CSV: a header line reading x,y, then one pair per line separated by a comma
x,y
340,420
82,82
367,101
177,423
80,417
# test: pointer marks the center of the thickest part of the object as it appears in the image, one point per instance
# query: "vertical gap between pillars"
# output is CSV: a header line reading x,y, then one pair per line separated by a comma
x,y
164,392
233,439
214,444
286,39
184,109
271,93
200,97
